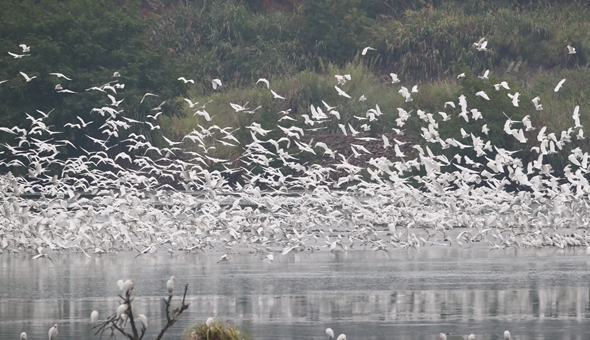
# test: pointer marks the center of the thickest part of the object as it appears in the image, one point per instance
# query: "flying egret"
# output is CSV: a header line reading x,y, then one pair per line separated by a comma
x,y
223,258
570,49
501,84
264,80
52,334
170,285
482,46
340,92
275,95
485,75
18,56
146,95
559,85
27,78
538,106
483,95
215,83
343,79
576,117
25,48
183,79
479,42
394,78
514,98
59,75
366,49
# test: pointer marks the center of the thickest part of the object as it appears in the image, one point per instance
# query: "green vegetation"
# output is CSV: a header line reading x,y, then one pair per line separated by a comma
x,y
299,46
219,330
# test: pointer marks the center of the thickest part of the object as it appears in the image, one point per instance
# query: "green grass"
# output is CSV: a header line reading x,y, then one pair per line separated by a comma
x,y
220,330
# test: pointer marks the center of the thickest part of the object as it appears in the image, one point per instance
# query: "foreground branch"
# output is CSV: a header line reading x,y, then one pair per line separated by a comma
x,y
175,313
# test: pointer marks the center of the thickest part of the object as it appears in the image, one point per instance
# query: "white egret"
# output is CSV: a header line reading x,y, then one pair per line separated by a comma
x,y
394,78
342,79
185,80
275,95
576,117
559,85
478,43
340,92
23,336
570,49
25,48
94,316
485,75
264,80
514,98
506,335
142,320
18,56
503,84
52,334
121,309
330,333
483,95
482,46
170,285
146,95
367,49
27,78
59,75
341,337
210,322
538,106
215,83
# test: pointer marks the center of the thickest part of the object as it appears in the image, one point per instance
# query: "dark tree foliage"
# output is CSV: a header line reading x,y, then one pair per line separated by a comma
x,y
334,28
86,40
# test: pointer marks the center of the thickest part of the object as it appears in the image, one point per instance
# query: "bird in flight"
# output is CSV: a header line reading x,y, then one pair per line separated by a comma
x,y
186,80
571,50
215,83
27,78
559,85
59,75
18,56
367,49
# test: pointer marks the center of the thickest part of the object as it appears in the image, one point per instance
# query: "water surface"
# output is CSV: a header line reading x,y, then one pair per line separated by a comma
x,y
536,294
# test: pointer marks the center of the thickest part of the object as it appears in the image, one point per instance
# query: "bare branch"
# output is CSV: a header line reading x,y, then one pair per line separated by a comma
x,y
175,313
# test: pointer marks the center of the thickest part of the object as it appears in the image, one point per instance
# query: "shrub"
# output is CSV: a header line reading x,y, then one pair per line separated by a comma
x,y
218,330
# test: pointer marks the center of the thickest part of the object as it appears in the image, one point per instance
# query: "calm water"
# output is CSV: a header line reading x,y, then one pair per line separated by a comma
x,y
536,294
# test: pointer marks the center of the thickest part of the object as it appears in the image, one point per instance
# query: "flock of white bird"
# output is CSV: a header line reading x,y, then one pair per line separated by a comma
x,y
104,201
